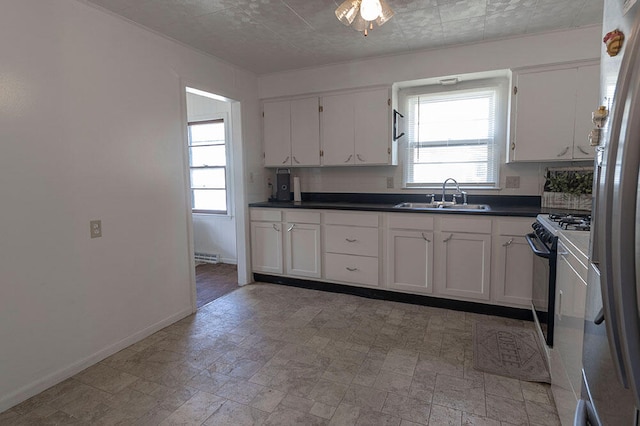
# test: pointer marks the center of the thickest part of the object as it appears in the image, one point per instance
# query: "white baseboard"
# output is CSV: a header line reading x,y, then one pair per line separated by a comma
x,y
56,377
229,260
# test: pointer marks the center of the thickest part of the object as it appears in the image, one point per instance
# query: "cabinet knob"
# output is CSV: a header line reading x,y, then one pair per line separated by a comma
x,y
296,160
286,160
564,151
513,146
275,227
291,227
348,159
508,243
446,240
424,237
360,158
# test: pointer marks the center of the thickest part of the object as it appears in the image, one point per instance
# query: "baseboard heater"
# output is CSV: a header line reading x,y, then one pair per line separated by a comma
x,y
207,258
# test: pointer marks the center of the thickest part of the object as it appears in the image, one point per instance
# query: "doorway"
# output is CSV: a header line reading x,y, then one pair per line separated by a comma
x,y
211,184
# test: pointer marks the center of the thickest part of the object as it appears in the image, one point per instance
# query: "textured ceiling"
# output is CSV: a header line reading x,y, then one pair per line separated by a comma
x,y
265,36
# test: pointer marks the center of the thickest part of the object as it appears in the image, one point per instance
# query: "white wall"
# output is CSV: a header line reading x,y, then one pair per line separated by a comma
x,y
213,234
555,47
92,127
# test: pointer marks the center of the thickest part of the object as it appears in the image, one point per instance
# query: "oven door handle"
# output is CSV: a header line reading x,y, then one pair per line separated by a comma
x,y
531,238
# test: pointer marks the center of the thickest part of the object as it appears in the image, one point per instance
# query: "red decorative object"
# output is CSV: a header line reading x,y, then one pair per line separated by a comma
x,y
613,40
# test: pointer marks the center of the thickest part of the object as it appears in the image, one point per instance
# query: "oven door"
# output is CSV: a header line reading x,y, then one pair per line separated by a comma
x,y
543,291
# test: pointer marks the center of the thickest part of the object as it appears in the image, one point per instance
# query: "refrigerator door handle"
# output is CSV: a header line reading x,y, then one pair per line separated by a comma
x,y
581,416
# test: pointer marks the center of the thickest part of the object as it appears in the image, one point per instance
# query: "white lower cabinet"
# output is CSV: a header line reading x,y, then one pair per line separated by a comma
x,y
464,257
302,248
409,261
512,279
266,247
566,355
351,248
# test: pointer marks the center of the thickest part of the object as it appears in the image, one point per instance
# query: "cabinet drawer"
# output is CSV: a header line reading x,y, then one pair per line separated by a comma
x,y
296,216
352,269
352,219
266,215
351,240
467,224
410,221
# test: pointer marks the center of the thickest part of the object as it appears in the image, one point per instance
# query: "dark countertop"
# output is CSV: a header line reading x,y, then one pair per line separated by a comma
x,y
522,206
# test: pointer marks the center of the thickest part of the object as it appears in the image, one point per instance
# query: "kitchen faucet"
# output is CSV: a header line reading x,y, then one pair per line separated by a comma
x,y
458,191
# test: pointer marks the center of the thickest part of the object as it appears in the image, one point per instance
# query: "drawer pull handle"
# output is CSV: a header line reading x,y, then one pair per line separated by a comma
x,y
508,243
349,240
582,150
360,158
424,237
564,151
446,240
296,160
348,159
286,160
351,269
291,227
275,227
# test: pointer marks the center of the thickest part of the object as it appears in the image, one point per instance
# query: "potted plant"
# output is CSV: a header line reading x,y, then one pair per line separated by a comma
x,y
568,189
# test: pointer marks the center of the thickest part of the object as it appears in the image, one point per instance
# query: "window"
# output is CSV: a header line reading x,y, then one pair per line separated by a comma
x,y
455,134
208,166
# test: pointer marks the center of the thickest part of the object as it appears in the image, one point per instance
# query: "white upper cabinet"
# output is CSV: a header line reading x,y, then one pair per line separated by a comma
x,y
277,133
292,133
356,128
338,129
552,113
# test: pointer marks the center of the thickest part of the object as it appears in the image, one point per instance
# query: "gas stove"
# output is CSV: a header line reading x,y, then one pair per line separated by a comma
x,y
555,222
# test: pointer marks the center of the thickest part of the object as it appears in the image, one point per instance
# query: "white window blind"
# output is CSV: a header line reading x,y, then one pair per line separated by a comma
x,y
452,134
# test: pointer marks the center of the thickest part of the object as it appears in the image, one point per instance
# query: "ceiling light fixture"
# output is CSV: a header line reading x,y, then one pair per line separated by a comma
x,y
360,14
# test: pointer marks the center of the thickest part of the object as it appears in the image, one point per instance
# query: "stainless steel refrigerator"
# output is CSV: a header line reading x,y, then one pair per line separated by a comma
x,y
611,352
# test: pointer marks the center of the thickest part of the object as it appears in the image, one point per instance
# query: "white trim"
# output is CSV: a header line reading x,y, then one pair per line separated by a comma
x,y
56,377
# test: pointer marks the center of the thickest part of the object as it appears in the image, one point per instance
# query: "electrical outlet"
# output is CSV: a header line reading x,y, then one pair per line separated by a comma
x,y
512,182
390,182
96,228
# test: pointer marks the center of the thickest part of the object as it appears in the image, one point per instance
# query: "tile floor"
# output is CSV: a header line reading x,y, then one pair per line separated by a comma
x,y
276,355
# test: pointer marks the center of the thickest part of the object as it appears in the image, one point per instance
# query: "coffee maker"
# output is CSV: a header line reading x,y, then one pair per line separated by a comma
x,y
283,184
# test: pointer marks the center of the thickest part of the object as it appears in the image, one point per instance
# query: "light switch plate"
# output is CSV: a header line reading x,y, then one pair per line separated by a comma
x,y
390,182
96,228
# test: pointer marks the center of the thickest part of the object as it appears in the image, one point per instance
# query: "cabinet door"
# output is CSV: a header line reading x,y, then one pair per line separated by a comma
x,y
277,134
266,247
372,137
463,265
305,132
571,293
410,261
302,246
338,130
545,112
513,271
588,86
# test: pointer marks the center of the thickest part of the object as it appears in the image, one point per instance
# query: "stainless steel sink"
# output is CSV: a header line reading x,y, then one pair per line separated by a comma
x,y
440,205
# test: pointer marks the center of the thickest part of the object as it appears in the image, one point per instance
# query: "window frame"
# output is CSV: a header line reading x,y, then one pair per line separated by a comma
x,y
500,85
217,118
